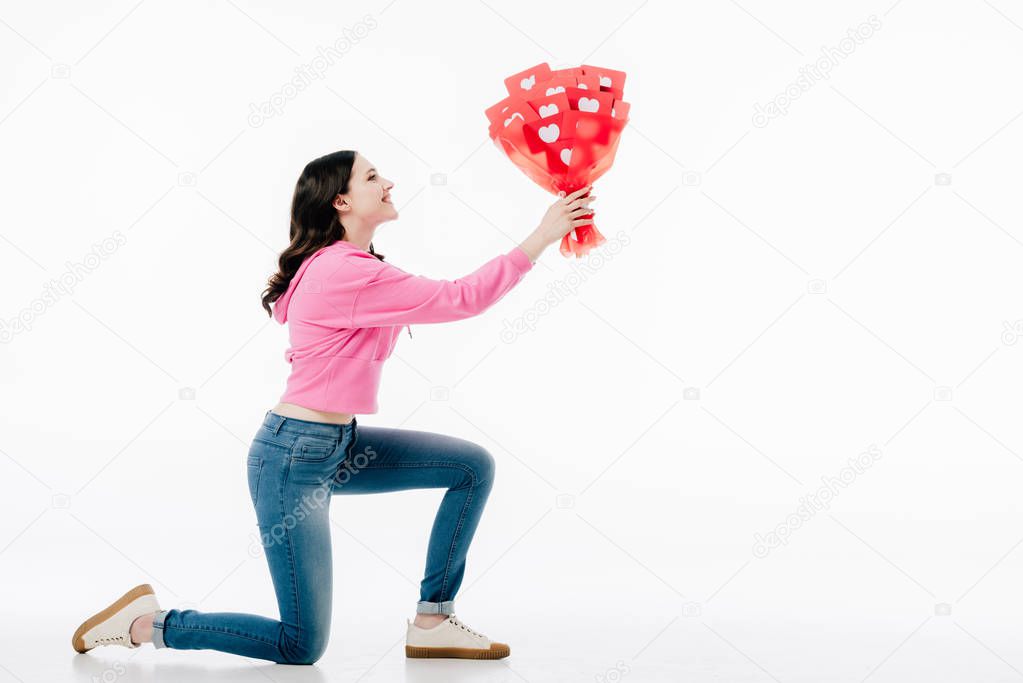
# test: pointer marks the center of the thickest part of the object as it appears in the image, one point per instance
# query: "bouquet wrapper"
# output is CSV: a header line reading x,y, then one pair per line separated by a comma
x,y
561,128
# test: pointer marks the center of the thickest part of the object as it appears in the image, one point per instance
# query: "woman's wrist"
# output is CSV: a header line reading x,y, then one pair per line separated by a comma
x,y
533,246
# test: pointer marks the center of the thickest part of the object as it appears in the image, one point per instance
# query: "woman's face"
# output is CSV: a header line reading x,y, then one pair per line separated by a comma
x,y
368,199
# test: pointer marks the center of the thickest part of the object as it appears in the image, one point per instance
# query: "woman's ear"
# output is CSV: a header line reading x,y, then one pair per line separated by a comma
x,y
341,204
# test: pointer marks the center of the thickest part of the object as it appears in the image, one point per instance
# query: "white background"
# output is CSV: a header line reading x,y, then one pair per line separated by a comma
x,y
791,295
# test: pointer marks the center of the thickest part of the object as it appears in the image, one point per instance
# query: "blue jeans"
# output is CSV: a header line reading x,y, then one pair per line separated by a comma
x,y
295,467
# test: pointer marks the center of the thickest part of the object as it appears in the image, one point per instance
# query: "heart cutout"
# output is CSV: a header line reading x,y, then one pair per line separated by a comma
x,y
549,133
548,110
507,121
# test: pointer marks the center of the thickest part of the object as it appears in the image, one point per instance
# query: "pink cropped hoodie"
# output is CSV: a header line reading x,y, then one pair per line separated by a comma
x,y
345,309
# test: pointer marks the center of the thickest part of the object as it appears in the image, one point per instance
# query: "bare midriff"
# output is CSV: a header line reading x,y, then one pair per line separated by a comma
x,y
301,413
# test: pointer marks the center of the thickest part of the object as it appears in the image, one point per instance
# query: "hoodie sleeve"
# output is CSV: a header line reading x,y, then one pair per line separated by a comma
x,y
394,297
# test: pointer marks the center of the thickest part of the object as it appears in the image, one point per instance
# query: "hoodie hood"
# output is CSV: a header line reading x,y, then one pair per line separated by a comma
x,y
280,306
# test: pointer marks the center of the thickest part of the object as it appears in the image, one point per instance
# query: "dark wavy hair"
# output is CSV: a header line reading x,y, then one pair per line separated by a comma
x,y
314,220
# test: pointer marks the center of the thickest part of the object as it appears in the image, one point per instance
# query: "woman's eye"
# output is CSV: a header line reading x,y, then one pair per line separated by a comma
x,y
372,177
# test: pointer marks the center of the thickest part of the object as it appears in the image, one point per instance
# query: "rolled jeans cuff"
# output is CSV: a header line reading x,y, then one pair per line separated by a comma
x,y
426,607
158,628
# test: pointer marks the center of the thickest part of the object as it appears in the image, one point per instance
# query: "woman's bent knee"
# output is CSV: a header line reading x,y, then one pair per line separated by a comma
x,y
483,466
308,649
476,463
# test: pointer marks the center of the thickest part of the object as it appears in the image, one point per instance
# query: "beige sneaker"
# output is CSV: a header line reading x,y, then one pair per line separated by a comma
x,y
451,638
112,625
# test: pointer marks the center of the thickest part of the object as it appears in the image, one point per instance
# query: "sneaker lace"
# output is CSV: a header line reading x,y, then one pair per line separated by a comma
x,y
462,626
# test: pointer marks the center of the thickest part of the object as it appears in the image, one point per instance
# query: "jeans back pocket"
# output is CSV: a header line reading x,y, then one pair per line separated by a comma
x,y
254,465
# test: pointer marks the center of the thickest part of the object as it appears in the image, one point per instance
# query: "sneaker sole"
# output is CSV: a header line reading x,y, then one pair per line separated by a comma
x,y
135,593
496,651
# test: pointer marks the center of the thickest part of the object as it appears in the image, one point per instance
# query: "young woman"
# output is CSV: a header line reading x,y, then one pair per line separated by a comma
x,y
345,308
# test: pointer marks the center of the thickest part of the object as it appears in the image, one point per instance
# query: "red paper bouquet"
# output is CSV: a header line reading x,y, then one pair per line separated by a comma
x,y
561,129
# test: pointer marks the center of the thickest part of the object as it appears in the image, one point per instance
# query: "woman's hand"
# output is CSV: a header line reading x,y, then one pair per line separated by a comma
x,y
562,217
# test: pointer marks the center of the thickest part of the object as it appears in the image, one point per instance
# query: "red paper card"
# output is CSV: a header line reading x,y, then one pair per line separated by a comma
x,y
524,82
549,105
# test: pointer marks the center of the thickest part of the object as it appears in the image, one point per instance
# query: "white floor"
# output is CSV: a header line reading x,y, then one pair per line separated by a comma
x,y
546,648
591,593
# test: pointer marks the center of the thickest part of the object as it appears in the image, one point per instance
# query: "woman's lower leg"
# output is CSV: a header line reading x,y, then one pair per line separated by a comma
x,y
453,530
386,459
